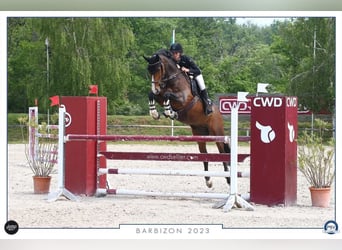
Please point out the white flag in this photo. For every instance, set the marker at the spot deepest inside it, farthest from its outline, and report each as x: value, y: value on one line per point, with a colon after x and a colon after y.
x: 242, y: 96
x: 262, y: 87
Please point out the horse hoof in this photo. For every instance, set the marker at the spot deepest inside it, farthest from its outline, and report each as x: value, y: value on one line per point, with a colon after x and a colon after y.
x: 155, y: 116
x: 209, y: 184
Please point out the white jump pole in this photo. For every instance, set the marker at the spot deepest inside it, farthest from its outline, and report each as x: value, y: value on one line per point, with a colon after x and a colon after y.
x: 61, y: 191
x: 234, y: 198
x: 171, y: 172
x: 102, y: 192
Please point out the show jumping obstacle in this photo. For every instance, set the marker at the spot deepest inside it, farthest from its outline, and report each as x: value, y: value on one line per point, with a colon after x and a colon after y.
x: 165, y: 157
x: 85, y: 141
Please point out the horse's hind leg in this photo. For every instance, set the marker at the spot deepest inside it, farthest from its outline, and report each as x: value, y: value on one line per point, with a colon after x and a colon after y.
x: 224, y: 148
x: 216, y: 127
x: 203, y: 149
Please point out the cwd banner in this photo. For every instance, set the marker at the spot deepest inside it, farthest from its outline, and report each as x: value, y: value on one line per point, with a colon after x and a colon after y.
x: 226, y: 103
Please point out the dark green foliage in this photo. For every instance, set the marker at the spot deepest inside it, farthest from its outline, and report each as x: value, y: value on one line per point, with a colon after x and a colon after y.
x: 108, y: 52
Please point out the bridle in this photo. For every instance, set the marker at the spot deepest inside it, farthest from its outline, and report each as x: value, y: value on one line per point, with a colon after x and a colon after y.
x: 163, y: 81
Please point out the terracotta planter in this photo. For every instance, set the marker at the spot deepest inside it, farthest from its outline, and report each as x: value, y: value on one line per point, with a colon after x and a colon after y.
x: 41, y: 184
x: 320, y: 197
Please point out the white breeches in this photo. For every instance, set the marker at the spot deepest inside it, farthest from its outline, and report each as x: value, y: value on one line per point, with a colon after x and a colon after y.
x: 200, y: 81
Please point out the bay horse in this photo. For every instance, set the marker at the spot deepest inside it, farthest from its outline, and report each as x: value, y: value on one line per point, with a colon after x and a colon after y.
x: 171, y: 88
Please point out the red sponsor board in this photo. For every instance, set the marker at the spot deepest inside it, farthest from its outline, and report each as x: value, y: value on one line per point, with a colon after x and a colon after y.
x: 86, y: 115
x: 274, y: 150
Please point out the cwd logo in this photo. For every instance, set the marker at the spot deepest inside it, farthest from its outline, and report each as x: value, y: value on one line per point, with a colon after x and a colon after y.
x: 227, y: 103
x: 267, y: 134
x: 267, y: 102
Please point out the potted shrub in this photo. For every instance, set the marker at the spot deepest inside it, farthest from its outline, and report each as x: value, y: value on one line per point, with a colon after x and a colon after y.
x: 42, y: 157
x: 316, y: 158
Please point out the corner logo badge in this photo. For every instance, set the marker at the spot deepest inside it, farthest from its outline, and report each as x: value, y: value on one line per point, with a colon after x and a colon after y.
x: 331, y: 227
x: 267, y: 133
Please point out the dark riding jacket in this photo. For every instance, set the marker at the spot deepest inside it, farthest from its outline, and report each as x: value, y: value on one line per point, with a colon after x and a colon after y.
x: 187, y: 62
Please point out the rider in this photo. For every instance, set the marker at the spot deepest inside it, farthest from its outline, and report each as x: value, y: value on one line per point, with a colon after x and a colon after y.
x: 188, y: 66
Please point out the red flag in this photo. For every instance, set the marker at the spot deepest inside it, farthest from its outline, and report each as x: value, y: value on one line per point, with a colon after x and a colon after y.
x: 93, y: 89
x: 54, y: 100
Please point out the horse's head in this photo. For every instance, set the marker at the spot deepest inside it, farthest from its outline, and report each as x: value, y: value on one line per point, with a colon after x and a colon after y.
x: 162, y: 70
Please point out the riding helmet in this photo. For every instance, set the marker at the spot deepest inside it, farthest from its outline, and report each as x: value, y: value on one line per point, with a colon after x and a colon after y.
x: 176, y: 47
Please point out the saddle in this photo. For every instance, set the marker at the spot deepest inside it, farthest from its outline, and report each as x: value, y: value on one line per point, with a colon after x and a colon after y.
x: 194, y: 87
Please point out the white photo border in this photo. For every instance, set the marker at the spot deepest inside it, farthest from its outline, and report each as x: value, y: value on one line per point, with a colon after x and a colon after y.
x: 129, y: 231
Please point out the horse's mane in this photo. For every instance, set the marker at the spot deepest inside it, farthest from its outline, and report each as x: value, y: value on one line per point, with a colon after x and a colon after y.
x: 167, y: 53
x: 164, y: 52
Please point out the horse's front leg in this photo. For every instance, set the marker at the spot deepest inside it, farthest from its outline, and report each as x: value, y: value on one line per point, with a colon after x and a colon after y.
x: 152, y: 104
x: 168, y: 111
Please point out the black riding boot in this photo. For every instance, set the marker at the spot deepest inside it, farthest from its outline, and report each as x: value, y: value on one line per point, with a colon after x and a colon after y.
x: 206, y: 102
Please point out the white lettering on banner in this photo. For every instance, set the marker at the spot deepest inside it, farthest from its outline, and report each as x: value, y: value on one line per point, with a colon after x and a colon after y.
x: 226, y: 105
x: 267, y: 102
x: 291, y: 102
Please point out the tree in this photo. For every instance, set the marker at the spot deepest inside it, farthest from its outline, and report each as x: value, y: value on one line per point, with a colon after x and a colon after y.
x: 84, y: 51
x: 308, y: 46
x: 89, y: 51
x: 26, y: 66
